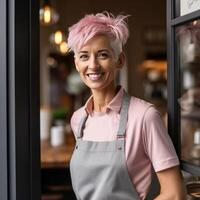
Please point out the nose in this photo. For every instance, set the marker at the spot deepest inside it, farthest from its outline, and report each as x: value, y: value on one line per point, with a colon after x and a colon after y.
x: 93, y: 63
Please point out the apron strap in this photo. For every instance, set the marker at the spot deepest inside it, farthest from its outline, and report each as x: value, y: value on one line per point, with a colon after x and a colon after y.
x: 81, y: 126
x: 123, y: 116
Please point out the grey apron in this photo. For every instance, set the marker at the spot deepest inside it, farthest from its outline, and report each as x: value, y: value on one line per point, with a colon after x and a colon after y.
x: 98, y: 169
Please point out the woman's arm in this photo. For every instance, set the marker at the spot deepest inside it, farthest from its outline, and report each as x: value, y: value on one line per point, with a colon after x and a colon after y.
x: 171, y: 185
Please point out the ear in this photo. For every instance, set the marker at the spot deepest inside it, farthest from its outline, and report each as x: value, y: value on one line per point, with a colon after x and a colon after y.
x: 121, y: 60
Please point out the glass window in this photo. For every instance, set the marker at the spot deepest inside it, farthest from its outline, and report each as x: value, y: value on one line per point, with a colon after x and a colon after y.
x: 188, y: 37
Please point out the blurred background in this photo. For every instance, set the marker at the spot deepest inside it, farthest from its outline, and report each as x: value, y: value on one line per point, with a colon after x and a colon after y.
x: 62, y: 91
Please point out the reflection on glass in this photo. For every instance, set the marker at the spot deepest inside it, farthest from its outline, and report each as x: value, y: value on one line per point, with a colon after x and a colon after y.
x: 188, y: 37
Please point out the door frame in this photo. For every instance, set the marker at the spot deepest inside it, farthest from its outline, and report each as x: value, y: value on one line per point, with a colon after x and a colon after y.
x: 19, y: 100
x: 3, y: 103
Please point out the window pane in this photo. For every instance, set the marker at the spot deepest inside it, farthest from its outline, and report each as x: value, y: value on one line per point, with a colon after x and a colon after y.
x: 188, y: 38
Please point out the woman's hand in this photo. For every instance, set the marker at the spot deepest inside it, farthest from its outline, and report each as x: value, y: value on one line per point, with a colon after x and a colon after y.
x: 171, y: 185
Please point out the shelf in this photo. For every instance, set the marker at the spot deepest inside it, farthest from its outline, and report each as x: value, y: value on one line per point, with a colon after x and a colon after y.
x: 193, y: 115
x: 190, y: 168
x: 57, y: 157
x: 191, y: 66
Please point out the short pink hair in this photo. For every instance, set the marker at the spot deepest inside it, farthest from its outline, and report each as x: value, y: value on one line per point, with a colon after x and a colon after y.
x: 99, y: 24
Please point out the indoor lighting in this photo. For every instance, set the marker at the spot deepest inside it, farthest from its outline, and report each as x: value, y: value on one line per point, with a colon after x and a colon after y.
x: 57, y: 37
x: 195, y: 22
x: 63, y: 47
x: 48, y: 14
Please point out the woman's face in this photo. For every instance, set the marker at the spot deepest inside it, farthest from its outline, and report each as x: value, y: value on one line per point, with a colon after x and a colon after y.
x: 97, y: 63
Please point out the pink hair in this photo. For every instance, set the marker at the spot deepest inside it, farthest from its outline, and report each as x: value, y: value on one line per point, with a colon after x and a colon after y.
x: 101, y: 23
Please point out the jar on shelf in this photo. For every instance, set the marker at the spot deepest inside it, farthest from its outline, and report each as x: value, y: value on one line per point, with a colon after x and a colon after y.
x: 57, y: 135
x: 195, y: 151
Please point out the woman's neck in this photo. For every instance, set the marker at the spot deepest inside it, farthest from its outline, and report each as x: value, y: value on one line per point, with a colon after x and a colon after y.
x: 102, y: 98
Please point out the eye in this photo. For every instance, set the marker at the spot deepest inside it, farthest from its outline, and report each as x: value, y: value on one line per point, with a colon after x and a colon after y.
x: 83, y: 57
x: 103, y: 55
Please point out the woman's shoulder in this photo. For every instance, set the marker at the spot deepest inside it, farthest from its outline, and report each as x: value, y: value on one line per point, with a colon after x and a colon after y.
x: 143, y: 110
x: 140, y: 105
x: 78, y: 114
x: 76, y: 118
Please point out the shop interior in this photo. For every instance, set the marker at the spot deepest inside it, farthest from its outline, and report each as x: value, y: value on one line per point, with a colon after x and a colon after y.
x: 145, y: 76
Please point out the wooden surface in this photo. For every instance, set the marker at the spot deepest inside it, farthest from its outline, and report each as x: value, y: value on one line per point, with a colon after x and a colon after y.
x: 56, y: 157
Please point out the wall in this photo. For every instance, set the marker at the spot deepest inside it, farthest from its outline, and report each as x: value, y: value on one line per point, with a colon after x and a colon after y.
x: 143, y: 13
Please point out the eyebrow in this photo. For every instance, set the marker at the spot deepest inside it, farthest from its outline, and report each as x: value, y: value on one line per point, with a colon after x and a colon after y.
x: 82, y: 52
x: 103, y: 50
x: 99, y: 51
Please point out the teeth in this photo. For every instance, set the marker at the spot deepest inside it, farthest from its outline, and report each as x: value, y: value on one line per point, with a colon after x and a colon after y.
x: 94, y: 77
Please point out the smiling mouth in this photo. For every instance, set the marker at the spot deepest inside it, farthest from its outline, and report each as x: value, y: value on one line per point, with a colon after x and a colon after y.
x: 95, y: 76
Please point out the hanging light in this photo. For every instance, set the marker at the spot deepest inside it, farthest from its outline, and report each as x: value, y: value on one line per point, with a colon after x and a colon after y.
x: 63, y: 47
x: 48, y: 14
x: 57, y: 37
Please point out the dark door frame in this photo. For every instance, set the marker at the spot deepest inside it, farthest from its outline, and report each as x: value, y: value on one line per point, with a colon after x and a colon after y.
x: 3, y: 104
x: 19, y: 100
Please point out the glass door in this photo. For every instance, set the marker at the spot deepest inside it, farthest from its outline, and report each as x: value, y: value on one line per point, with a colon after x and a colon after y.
x: 183, y: 29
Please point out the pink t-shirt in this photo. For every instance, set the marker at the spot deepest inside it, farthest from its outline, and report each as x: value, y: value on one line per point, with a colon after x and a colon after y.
x: 148, y: 145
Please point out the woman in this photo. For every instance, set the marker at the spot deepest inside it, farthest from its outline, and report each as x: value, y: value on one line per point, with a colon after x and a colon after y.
x: 119, y: 139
